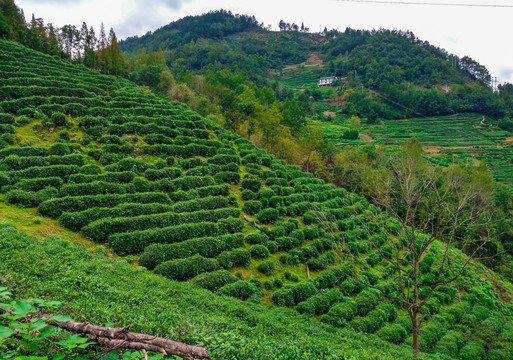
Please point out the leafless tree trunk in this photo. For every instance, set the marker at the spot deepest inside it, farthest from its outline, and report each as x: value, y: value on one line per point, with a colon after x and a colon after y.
x: 122, y: 338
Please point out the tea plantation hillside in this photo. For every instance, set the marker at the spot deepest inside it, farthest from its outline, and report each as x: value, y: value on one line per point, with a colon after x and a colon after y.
x: 202, y: 206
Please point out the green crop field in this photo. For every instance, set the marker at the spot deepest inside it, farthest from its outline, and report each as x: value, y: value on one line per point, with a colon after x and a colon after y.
x: 206, y: 208
x: 301, y: 76
x: 462, y: 136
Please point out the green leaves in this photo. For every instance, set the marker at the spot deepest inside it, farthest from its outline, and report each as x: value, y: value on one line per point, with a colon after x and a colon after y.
x: 5, y: 332
x: 60, y: 318
x: 22, y: 308
x: 5, y: 294
x: 73, y: 341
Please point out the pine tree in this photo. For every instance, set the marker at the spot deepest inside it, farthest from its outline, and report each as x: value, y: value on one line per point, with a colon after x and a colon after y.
x: 89, y: 46
x: 53, y: 42
x: 12, y: 21
x: 101, y: 56
x: 114, y: 62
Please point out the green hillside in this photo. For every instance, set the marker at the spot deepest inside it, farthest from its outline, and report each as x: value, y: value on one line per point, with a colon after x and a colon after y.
x: 219, y: 217
x: 409, y: 75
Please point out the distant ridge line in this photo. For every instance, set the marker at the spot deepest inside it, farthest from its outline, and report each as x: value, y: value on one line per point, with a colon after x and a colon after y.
x: 429, y: 3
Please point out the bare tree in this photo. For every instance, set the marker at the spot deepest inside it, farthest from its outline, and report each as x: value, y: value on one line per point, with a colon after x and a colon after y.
x: 429, y: 205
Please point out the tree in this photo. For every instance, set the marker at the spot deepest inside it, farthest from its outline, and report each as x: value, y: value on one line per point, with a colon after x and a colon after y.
x: 354, y: 122
x: 115, y: 60
x: 68, y: 40
x: 293, y: 115
x: 53, y: 41
x: 433, y: 209
x: 89, y: 46
x: 271, y: 126
x: 12, y: 21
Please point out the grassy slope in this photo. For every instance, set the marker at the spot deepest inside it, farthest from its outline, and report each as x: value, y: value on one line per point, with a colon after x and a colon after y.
x: 106, y: 290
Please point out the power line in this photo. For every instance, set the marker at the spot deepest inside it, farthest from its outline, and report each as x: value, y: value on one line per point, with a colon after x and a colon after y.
x: 428, y: 3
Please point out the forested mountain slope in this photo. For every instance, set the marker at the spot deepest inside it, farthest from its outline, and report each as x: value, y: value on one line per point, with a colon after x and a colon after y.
x: 221, y: 219
x: 412, y: 76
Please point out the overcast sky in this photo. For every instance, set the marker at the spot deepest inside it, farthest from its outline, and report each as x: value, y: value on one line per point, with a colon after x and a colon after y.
x: 483, y: 33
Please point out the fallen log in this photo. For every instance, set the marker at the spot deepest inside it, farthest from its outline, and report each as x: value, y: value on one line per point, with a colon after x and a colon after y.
x: 122, y: 338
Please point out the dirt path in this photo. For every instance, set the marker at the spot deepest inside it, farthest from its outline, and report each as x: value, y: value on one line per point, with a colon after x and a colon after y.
x: 313, y: 60
x: 365, y: 137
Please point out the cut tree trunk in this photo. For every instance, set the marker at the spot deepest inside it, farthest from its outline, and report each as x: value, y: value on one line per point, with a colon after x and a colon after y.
x: 122, y: 338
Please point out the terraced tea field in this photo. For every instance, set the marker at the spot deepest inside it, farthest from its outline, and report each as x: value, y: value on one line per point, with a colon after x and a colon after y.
x: 150, y: 177
x: 463, y: 136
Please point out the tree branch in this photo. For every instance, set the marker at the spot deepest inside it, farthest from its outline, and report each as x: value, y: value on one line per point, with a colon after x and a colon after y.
x: 122, y: 338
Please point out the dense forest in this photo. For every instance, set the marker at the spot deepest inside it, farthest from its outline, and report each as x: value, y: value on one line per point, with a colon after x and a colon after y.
x: 188, y: 189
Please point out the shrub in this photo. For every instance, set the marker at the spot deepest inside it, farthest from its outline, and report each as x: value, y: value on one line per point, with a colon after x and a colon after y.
x: 183, y: 269
x: 369, y: 324
x: 309, y: 218
x: 366, y: 301
x: 268, y: 216
x: 207, y: 247
x: 393, y: 333
x: 55, y: 207
x: 101, y: 229
x: 248, y: 195
x: 309, y: 252
x: 374, y: 259
x: 266, y: 267
x: 252, y: 184
x: 272, y: 246
x: 432, y: 307
x: 31, y: 199
x: 315, y: 265
x: 273, y: 283
x: 37, y: 184
x: 230, y: 225
x: 256, y: 237
x: 291, y: 276
x: 75, y: 109
x: 76, y: 220
x: 286, y: 243
x: 240, y: 290
x: 283, y: 298
x: 341, y: 313
x: 259, y: 251
x: 237, y: 257
x: 425, y: 264
x: 327, y: 279
x: 323, y: 244
x: 134, y: 242
x: 90, y: 169
x: 320, y: 303
x: 6, y: 119
x: 58, y: 119
x: 303, y: 291
x: 451, y: 343
x: 215, y: 280
x: 251, y: 159
x: 94, y: 188
x: 61, y: 171
x: 252, y: 207
x: 473, y: 349
x: 59, y: 149
x: 433, y: 332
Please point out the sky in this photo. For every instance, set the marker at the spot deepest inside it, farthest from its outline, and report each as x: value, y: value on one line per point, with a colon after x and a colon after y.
x: 459, y: 26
